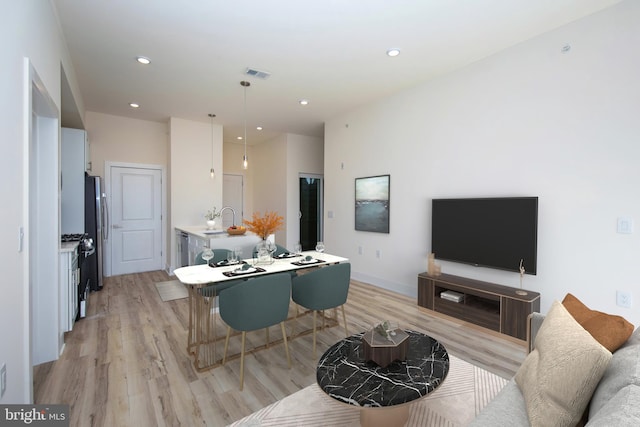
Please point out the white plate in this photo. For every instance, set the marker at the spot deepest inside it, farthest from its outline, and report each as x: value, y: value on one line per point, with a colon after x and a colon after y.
x: 310, y: 261
x: 241, y: 271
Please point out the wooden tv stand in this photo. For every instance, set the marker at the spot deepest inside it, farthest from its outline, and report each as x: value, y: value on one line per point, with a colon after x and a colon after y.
x: 489, y: 305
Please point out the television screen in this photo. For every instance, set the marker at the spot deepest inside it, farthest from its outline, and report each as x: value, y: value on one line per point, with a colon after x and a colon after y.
x: 488, y: 232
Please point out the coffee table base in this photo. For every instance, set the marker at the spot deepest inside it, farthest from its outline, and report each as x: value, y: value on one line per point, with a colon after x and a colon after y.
x: 390, y: 416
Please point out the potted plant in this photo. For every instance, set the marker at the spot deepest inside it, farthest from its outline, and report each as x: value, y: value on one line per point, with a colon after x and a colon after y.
x: 211, y: 216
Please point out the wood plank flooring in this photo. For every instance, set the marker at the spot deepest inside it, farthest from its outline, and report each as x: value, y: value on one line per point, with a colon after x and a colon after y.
x: 126, y: 363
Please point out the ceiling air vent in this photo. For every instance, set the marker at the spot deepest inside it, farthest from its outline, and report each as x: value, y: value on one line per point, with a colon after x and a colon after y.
x: 257, y: 73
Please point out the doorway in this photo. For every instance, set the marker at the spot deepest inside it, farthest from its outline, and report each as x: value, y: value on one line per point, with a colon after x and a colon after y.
x: 135, y: 206
x: 232, y: 196
x: 311, y: 208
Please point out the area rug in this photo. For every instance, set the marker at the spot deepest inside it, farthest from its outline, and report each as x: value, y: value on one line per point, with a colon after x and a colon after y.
x: 171, y: 290
x: 466, y: 390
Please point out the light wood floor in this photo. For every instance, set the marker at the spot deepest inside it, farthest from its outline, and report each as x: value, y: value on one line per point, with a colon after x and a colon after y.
x: 126, y: 363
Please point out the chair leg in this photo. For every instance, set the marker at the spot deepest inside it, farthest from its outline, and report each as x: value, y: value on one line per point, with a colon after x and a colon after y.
x: 226, y: 344
x: 294, y: 321
x: 314, y: 334
x: 286, y: 345
x: 344, y: 319
x: 244, y: 334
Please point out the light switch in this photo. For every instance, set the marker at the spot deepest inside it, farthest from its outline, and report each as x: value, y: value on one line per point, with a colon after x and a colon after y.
x: 625, y: 225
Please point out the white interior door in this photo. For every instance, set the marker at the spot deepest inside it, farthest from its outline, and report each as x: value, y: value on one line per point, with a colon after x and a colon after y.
x: 232, y: 187
x: 136, y: 219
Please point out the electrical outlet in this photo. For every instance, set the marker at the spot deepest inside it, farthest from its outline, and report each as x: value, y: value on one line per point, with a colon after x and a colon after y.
x: 359, y: 250
x: 3, y: 379
x: 377, y: 253
x: 623, y: 299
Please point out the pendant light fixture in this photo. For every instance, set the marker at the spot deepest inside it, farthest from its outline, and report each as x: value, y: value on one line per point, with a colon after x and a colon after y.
x: 245, y: 161
x: 212, y: 172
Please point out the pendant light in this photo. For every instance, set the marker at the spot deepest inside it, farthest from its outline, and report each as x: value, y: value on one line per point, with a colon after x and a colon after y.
x: 245, y: 160
x: 212, y: 172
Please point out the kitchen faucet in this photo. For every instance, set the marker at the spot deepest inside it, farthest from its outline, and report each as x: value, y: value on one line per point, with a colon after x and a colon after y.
x: 233, y: 223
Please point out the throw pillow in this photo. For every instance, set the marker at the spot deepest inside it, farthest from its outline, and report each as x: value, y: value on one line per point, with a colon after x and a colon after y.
x: 621, y: 411
x: 623, y: 370
x: 611, y: 331
x: 559, y: 376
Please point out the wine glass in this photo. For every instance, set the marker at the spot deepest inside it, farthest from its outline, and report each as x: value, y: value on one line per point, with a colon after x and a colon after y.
x: 207, y: 254
x: 297, y: 248
x: 320, y: 247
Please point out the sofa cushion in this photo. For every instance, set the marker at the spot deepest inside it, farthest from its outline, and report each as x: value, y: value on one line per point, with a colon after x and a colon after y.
x: 610, y: 330
x: 622, y: 410
x: 623, y: 370
x: 558, y: 377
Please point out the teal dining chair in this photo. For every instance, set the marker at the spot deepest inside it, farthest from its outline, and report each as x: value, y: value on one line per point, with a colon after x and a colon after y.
x: 218, y: 255
x: 322, y: 289
x: 254, y: 304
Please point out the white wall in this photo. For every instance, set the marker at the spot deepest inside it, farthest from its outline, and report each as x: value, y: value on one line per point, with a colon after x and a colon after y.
x: 269, y: 164
x: 193, y: 192
x: 528, y: 121
x: 121, y: 139
x: 28, y: 29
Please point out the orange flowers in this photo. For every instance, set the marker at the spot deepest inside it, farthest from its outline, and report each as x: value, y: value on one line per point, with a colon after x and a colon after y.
x: 264, y: 225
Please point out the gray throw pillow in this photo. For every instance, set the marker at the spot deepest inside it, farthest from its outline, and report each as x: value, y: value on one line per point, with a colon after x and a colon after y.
x: 622, y: 410
x: 624, y: 369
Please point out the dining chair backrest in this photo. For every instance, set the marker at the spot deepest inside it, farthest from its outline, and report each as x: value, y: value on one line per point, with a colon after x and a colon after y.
x: 256, y: 303
x: 323, y: 288
x: 218, y: 255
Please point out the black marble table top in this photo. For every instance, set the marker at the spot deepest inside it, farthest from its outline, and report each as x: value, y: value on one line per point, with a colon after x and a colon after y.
x: 343, y: 374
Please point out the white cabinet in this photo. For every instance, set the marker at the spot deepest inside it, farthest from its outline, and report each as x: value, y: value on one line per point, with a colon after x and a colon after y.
x: 72, y: 164
x: 69, y: 281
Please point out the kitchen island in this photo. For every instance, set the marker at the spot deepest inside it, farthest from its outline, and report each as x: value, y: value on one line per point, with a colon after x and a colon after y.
x: 192, y: 239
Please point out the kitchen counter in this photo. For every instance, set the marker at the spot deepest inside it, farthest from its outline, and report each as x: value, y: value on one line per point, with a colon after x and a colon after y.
x: 199, y: 237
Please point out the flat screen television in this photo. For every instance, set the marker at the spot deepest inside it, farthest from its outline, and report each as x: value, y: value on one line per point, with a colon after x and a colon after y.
x: 487, y: 232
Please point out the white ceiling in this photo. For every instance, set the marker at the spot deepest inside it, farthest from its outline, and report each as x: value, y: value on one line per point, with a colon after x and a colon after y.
x: 331, y: 52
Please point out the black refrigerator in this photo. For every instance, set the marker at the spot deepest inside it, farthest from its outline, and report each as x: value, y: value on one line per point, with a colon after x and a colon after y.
x: 94, y: 225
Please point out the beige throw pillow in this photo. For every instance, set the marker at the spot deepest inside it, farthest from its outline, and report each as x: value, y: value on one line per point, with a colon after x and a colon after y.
x: 559, y: 376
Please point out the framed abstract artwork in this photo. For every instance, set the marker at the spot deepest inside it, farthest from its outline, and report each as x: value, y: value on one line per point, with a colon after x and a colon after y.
x: 372, y: 203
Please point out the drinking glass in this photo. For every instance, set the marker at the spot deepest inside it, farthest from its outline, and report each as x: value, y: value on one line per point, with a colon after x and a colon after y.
x: 231, y: 257
x: 320, y: 247
x: 297, y: 248
x: 238, y: 253
x: 207, y: 254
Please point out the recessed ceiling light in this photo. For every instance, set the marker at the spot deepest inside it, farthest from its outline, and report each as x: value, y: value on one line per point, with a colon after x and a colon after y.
x: 239, y: 138
x: 304, y: 102
x: 393, y: 52
x: 259, y: 128
x: 143, y: 60
x: 134, y: 105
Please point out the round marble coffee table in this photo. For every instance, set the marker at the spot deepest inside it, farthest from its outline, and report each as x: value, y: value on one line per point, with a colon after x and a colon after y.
x: 383, y: 394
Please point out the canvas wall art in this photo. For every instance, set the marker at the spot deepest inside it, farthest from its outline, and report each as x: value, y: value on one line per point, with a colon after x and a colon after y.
x: 372, y: 203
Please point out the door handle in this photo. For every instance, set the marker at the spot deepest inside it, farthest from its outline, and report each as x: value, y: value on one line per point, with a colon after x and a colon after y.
x: 117, y: 226
x: 299, y: 214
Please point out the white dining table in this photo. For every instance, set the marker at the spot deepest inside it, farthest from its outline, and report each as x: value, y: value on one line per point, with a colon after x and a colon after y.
x: 202, y: 334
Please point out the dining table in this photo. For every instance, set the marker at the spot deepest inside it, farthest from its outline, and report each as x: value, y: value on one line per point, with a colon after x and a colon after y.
x: 206, y: 281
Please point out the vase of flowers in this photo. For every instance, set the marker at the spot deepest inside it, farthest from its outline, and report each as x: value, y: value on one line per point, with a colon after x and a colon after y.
x: 211, y: 216
x: 263, y: 226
